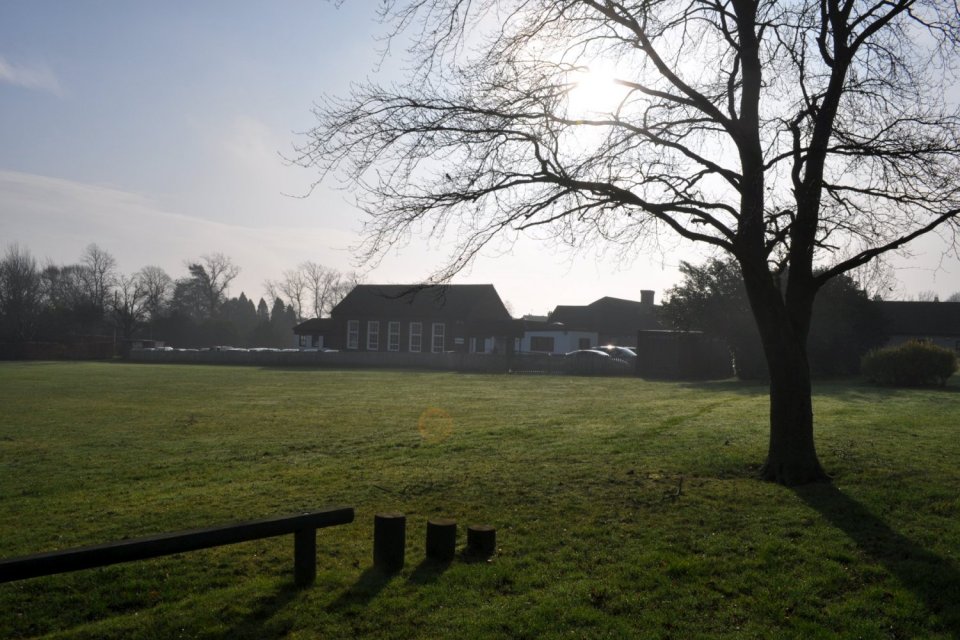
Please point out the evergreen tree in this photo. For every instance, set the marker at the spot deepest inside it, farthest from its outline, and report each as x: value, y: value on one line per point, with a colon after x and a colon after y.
x: 242, y: 316
x: 712, y: 298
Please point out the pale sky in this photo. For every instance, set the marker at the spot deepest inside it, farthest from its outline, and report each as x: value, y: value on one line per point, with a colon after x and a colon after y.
x: 155, y: 130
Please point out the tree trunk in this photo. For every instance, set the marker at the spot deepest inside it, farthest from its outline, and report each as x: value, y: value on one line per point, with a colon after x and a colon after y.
x: 792, y: 455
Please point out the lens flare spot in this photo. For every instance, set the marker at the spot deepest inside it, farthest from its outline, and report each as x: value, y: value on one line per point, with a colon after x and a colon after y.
x: 435, y: 425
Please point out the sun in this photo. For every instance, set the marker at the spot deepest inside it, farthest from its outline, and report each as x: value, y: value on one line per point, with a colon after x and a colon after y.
x: 596, y: 91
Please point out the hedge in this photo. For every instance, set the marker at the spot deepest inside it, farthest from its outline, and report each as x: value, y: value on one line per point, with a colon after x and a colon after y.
x: 911, y: 364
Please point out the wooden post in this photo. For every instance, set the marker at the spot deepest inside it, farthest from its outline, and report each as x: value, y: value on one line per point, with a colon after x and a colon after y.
x: 441, y: 539
x: 481, y: 540
x: 304, y: 556
x: 389, y: 541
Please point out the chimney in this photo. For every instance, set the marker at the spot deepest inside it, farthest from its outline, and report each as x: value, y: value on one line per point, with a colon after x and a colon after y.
x: 646, y: 296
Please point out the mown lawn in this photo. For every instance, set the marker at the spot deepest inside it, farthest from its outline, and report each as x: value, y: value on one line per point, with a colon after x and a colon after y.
x: 624, y: 508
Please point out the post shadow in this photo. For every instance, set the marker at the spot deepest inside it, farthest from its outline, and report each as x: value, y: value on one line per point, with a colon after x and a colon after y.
x: 255, y: 625
x: 933, y: 579
x: 368, y: 585
x: 429, y: 571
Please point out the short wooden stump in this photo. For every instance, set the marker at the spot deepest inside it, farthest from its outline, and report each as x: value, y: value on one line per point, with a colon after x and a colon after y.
x: 389, y: 541
x: 441, y: 539
x: 481, y: 540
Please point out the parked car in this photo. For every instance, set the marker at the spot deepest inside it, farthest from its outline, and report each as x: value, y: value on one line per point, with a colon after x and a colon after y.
x: 622, y: 353
x: 592, y: 362
x: 586, y: 355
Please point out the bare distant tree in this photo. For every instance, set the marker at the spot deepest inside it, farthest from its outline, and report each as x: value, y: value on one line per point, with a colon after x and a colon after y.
x: 312, y: 288
x: 221, y: 271
x: 328, y: 286
x: 65, y: 289
x: 928, y: 296
x: 292, y: 288
x: 129, y: 304
x: 803, y: 138
x: 99, y: 274
x: 955, y: 297
x: 212, y: 277
x: 320, y: 281
x: 20, y: 294
x: 158, y: 288
x: 877, y: 279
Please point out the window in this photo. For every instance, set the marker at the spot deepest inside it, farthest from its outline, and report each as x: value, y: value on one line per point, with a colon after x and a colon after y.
x: 393, y: 336
x: 541, y: 343
x: 439, y: 335
x: 478, y: 345
x: 353, y: 334
x: 416, y: 337
x: 308, y: 342
x: 373, y: 335
x: 584, y: 343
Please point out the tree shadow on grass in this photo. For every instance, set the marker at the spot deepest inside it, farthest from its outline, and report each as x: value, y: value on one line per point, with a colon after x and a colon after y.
x: 933, y: 579
x: 827, y: 387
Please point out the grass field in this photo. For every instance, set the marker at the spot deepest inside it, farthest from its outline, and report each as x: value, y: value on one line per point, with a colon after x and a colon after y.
x: 624, y: 508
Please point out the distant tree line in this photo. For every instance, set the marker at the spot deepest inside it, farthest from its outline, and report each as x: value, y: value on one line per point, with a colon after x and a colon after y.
x: 92, y: 300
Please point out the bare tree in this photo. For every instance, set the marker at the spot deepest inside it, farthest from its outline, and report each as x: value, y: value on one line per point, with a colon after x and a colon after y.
x: 292, y: 288
x: 213, y: 275
x: 67, y: 299
x: 158, y: 288
x: 129, y: 304
x: 327, y: 286
x: 954, y: 297
x: 320, y: 282
x: 804, y: 138
x: 20, y: 295
x: 312, y: 288
x: 221, y: 271
x: 99, y: 275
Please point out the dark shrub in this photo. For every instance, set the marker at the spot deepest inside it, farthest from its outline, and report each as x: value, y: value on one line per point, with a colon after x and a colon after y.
x: 910, y: 364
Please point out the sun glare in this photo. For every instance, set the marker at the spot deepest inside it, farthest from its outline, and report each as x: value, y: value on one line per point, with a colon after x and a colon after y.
x: 595, y: 91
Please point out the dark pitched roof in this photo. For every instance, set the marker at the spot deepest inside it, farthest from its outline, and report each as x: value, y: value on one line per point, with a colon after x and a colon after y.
x: 608, y: 315
x: 544, y: 325
x: 474, y: 302
x: 921, y: 318
x: 315, y: 325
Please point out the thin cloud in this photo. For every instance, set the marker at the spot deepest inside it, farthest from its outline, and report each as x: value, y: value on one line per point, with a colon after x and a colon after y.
x: 56, y: 218
x: 39, y: 78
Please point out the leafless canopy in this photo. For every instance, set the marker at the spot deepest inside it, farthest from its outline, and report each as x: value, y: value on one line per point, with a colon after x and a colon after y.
x: 795, y: 133
x: 99, y: 275
x: 158, y: 287
x: 213, y: 274
x: 312, y: 288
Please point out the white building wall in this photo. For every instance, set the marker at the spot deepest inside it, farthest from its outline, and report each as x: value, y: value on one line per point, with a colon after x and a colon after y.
x: 563, y: 341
